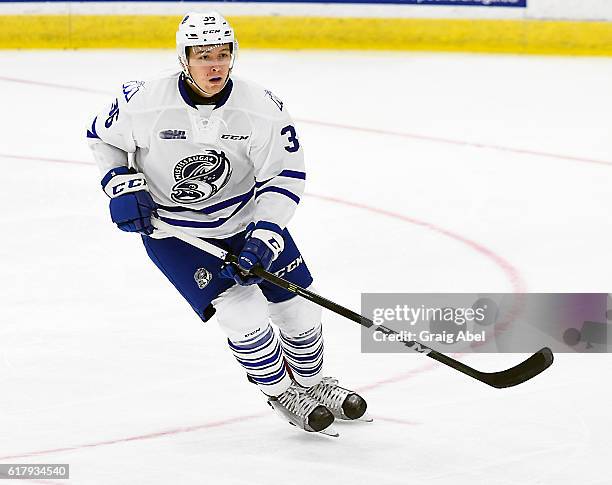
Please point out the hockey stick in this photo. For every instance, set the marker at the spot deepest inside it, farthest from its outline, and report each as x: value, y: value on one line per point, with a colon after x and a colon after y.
x: 518, y: 374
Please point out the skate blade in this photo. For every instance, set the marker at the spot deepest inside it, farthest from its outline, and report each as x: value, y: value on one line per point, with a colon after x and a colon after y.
x: 330, y: 431
x: 366, y: 418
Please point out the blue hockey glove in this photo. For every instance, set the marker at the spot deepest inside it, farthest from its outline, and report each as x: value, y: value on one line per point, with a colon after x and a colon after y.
x: 264, y: 242
x: 131, y: 205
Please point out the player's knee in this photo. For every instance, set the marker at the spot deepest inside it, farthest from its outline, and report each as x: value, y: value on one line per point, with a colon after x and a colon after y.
x: 241, y: 311
x: 295, y: 316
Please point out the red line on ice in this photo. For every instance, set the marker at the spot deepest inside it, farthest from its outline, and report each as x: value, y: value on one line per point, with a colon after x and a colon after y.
x: 435, y: 139
x: 450, y: 141
x: 34, y: 158
x: 51, y: 85
x: 148, y: 436
x: 511, y: 272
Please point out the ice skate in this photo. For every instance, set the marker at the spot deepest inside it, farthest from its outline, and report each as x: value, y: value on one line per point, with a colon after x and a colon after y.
x: 343, y: 403
x: 301, y: 410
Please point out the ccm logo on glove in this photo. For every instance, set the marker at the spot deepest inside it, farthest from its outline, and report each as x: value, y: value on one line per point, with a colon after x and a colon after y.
x: 124, y: 184
x: 131, y: 205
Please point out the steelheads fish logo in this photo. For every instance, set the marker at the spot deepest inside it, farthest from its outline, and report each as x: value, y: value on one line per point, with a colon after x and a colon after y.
x: 199, y: 177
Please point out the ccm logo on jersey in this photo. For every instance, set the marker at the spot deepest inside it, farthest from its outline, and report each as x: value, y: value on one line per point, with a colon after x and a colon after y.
x: 234, y: 137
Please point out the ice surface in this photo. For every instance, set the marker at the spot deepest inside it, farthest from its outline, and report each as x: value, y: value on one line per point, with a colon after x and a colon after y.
x: 425, y: 173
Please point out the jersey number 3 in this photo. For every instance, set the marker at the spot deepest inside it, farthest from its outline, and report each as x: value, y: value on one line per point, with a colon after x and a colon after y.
x: 295, y: 144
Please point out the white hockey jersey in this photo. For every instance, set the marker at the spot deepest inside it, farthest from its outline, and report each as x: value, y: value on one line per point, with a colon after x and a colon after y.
x: 212, y: 169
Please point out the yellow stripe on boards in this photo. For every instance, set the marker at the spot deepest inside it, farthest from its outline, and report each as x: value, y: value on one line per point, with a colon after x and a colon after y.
x: 471, y: 35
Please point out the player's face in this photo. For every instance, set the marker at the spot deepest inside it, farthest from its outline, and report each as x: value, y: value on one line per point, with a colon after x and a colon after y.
x: 209, y: 66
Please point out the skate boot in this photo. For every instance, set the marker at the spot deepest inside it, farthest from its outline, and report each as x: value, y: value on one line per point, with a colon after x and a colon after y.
x: 301, y: 410
x: 343, y: 403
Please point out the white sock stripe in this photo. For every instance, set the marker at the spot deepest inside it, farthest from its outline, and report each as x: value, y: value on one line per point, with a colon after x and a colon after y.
x: 271, y: 378
x: 270, y: 360
x: 304, y: 354
x: 304, y: 362
x: 257, y: 354
x: 252, y: 344
x: 303, y: 341
x: 307, y: 372
x: 262, y: 358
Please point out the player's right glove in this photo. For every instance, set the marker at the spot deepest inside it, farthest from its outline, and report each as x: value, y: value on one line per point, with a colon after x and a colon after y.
x: 131, y: 205
x: 264, y: 242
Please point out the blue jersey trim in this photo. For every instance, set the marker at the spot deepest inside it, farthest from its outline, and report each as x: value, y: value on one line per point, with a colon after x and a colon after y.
x: 183, y: 90
x: 215, y: 207
x: 269, y: 226
x: 294, y: 174
x: 259, y: 184
x: 200, y: 225
x: 227, y: 90
x: 279, y: 190
x: 92, y: 133
x: 121, y: 170
x: 205, y: 225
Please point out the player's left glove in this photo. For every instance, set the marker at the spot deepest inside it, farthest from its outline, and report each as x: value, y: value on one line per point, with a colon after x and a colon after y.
x: 264, y: 242
x: 131, y: 205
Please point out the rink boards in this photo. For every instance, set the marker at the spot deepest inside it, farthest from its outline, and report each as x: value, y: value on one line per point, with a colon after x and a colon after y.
x: 500, y: 26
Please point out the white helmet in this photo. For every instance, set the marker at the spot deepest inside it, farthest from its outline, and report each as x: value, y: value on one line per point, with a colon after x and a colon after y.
x: 209, y: 28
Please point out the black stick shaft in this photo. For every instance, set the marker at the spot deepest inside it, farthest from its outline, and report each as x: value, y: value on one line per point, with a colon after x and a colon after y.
x: 524, y: 371
x: 527, y: 369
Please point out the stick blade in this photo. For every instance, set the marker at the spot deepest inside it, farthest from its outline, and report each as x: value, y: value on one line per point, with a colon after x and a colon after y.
x: 534, y: 365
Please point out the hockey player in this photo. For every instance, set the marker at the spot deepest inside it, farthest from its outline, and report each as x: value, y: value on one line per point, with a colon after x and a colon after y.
x: 220, y: 158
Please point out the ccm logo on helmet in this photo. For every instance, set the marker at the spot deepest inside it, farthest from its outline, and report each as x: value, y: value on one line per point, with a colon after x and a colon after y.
x: 211, y: 32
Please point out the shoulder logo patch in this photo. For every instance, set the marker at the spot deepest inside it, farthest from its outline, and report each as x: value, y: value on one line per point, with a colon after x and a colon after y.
x: 277, y: 102
x: 130, y: 88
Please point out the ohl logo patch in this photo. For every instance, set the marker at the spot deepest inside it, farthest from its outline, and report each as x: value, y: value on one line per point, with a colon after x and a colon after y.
x: 199, y: 177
